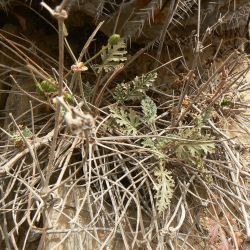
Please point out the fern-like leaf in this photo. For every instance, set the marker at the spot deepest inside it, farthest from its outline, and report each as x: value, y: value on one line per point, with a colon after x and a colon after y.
x: 201, y: 120
x: 150, y: 144
x: 112, y: 55
x: 46, y: 87
x: 149, y: 110
x: 26, y: 132
x: 128, y: 122
x: 193, y: 151
x: 136, y: 89
x: 164, y: 189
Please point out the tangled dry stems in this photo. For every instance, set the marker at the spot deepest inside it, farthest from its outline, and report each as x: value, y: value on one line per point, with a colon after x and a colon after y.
x: 110, y: 176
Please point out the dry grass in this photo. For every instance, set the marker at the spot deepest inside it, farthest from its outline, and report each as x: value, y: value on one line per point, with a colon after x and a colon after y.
x: 78, y: 178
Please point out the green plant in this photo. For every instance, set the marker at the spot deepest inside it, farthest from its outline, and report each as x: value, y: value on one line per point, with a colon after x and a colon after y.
x: 134, y: 158
x: 202, y: 119
x: 46, y: 87
x: 164, y: 188
x: 68, y: 97
x: 149, y: 110
x: 111, y: 54
x: 136, y: 89
x: 189, y: 146
x: 199, y: 146
x: 17, y: 137
x: 127, y: 121
x: 225, y: 102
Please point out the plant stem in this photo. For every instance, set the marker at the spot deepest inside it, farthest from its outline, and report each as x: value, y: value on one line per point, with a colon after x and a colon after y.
x: 60, y: 14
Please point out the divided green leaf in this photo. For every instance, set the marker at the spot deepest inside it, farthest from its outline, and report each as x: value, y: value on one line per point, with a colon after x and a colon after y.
x: 112, y: 55
x: 26, y: 132
x: 128, y: 122
x: 46, y: 87
x: 164, y: 189
x: 149, y: 110
x: 136, y: 89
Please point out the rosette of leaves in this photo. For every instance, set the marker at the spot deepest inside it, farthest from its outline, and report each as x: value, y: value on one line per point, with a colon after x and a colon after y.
x: 136, y: 89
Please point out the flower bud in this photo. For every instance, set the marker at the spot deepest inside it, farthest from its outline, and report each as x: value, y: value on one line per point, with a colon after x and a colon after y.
x: 114, y: 39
